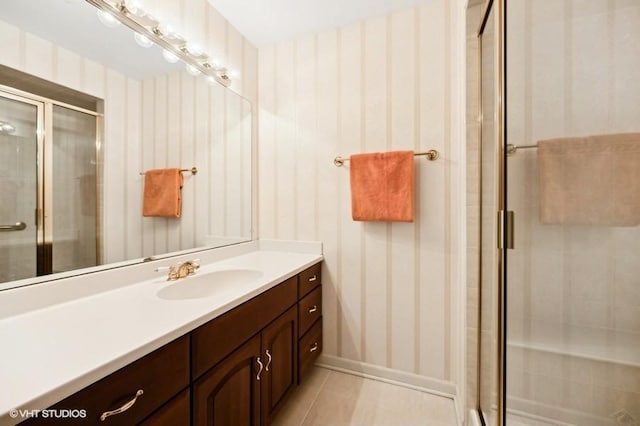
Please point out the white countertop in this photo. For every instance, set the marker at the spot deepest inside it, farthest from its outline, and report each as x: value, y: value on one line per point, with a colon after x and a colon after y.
x: 54, y: 351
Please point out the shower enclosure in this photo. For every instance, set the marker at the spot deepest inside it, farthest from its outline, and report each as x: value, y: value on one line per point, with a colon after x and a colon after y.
x: 559, y: 324
x: 49, y: 219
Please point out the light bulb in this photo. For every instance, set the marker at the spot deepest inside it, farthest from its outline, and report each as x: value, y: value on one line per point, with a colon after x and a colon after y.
x: 233, y: 74
x: 134, y: 7
x: 166, y: 30
x: 170, y: 57
x: 194, y: 49
x: 107, y: 19
x: 211, y: 80
x: 142, y: 40
x: 216, y: 64
x: 192, y: 70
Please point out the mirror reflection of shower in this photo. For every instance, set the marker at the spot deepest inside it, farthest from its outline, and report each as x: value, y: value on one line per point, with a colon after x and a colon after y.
x: 49, y: 222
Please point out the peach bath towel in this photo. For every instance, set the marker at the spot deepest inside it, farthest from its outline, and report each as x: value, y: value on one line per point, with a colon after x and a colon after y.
x: 383, y: 186
x: 593, y: 180
x: 162, y: 197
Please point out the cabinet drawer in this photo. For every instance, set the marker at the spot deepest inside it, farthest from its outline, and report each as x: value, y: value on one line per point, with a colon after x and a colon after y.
x: 310, y: 347
x: 212, y: 342
x: 309, y: 279
x: 176, y: 412
x: 310, y: 309
x: 159, y: 375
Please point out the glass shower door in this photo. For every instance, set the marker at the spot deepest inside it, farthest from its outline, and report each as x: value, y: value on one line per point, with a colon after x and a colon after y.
x: 573, y: 306
x: 20, y: 192
x: 74, y: 202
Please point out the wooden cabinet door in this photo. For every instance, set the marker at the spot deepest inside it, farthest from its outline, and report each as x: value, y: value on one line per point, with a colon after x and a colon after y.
x: 230, y: 393
x: 280, y: 351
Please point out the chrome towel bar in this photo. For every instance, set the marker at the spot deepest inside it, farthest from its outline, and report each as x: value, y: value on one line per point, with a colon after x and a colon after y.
x: 512, y: 149
x: 431, y: 155
x: 193, y: 170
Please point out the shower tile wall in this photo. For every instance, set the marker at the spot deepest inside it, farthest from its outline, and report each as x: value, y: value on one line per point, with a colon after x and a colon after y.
x: 574, y: 291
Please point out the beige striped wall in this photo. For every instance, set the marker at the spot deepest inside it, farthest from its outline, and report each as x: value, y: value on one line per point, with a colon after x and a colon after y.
x: 126, y: 110
x: 389, y: 83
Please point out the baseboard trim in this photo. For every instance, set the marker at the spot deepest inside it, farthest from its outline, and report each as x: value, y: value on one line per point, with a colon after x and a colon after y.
x: 551, y: 414
x: 388, y: 375
x: 474, y: 418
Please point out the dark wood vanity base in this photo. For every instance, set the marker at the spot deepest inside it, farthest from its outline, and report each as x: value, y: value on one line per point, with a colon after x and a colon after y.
x: 238, y: 369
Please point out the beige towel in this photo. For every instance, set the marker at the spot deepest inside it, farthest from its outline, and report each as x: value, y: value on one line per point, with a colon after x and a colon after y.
x: 593, y: 180
x: 162, y: 197
x: 383, y: 186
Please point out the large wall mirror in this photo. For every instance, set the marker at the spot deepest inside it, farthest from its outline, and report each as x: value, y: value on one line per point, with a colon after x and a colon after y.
x: 84, y: 112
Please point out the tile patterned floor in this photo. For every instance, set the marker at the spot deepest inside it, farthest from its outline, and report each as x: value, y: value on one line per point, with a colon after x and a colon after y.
x: 332, y: 398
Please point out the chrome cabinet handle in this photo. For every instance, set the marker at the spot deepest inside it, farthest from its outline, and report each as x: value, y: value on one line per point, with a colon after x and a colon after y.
x: 18, y: 226
x: 313, y: 278
x: 314, y: 347
x: 261, y: 367
x: 122, y: 409
x: 268, y: 362
x: 312, y: 310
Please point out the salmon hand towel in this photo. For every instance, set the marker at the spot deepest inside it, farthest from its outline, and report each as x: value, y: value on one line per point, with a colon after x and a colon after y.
x: 383, y: 186
x: 162, y: 197
x: 592, y: 180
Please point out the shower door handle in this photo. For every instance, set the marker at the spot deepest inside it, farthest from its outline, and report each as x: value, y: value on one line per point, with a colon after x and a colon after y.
x: 18, y: 226
x: 506, y: 220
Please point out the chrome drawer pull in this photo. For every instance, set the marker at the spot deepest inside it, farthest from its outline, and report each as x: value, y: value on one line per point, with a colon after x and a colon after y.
x: 261, y: 367
x: 313, y: 278
x: 122, y: 409
x: 268, y: 362
x: 314, y: 347
x: 312, y: 310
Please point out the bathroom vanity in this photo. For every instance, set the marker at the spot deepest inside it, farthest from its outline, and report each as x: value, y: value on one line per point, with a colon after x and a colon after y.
x: 237, y: 364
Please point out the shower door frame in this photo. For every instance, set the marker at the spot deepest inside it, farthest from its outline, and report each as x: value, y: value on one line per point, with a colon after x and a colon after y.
x: 44, y: 171
x: 503, y: 238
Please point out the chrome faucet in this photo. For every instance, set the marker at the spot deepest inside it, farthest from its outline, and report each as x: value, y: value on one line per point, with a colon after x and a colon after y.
x: 182, y: 270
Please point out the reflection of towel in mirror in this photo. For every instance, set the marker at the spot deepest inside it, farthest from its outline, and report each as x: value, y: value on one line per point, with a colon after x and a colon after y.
x: 383, y: 186
x: 593, y: 180
x: 162, y: 197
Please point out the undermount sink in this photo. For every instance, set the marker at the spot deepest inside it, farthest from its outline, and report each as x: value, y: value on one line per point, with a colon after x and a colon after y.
x: 208, y: 284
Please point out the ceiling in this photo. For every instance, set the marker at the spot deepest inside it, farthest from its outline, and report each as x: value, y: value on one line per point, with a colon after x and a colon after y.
x: 265, y: 22
x: 262, y: 22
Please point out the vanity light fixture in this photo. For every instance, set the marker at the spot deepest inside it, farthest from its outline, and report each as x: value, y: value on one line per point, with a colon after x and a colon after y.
x: 149, y: 30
